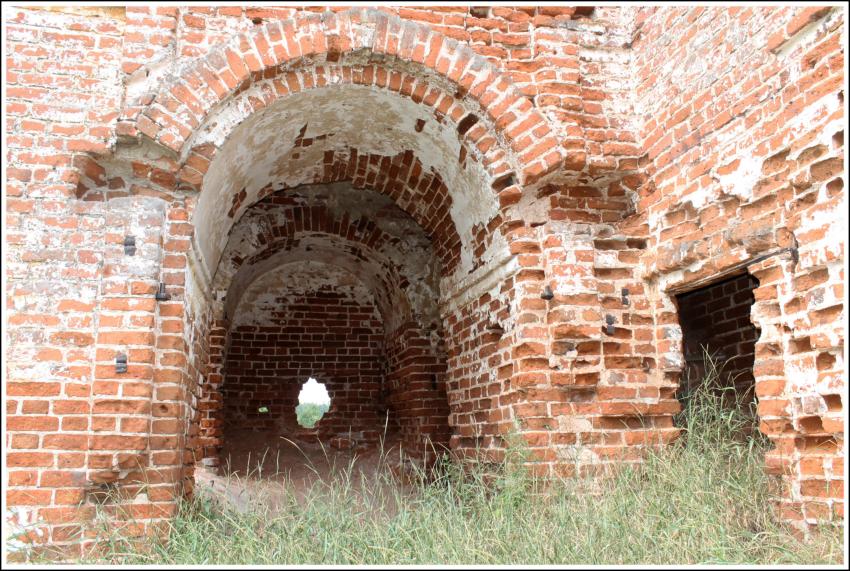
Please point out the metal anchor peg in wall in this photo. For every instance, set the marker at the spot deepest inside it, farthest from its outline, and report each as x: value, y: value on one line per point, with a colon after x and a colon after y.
x: 609, y: 324
x: 161, y: 294
x: 121, y: 363
x: 130, y: 245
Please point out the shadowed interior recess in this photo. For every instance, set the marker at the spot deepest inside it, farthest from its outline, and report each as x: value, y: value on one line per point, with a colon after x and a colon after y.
x: 715, y: 322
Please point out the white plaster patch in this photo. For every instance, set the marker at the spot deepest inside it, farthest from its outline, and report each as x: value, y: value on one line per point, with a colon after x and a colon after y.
x: 813, y: 115
x: 738, y: 183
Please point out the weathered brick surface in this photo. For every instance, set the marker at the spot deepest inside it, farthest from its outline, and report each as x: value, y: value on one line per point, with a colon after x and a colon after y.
x: 745, y: 161
x: 456, y: 162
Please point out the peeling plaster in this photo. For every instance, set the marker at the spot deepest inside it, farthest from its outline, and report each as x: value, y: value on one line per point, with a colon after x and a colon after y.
x: 260, y: 150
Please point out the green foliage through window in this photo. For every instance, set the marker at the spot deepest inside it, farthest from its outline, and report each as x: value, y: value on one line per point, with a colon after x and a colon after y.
x: 310, y: 413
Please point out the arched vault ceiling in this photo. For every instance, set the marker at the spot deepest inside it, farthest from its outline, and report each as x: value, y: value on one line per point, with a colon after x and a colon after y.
x: 359, y: 231
x: 261, y: 302
x: 289, y: 143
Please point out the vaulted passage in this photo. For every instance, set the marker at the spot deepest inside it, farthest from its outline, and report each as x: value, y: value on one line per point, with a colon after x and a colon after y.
x: 305, y: 320
x: 337, y: 284
x: 349, y: 230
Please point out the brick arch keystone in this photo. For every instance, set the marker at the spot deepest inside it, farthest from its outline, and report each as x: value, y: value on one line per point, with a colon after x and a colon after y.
x: 170, y: 116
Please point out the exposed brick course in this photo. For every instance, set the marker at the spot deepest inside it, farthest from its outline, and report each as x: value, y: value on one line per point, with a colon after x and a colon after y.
x: 325, y: 335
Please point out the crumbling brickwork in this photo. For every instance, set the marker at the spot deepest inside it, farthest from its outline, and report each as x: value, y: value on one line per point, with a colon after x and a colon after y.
x: 745, y: 164
x: 518, y: 194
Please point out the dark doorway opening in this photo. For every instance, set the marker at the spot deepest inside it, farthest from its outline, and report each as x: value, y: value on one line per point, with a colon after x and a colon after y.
x: 719, y: 340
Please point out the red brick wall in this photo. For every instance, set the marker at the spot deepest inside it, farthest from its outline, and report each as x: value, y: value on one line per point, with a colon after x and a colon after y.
x: 479, y: 373
x: 325, y: 335
x: 654, y: 149
x: 742, y: 115
x: 415, y: 390
x: 379, y: 384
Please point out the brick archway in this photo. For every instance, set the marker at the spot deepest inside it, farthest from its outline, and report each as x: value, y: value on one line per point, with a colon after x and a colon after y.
x: 500, y: 146
x: 402, y: 51
x: 558, y: 318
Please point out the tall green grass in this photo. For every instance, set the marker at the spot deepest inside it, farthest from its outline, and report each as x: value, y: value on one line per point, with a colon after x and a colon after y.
x: 703, y: 499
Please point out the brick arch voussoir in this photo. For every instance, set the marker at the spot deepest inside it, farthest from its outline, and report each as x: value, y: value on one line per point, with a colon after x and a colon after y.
x: 172, y: 115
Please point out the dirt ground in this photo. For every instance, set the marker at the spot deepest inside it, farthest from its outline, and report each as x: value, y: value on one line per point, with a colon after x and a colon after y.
x: 267, y: 467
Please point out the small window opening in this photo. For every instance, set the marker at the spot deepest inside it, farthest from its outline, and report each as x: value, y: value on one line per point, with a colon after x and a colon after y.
x: 313, y: 402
